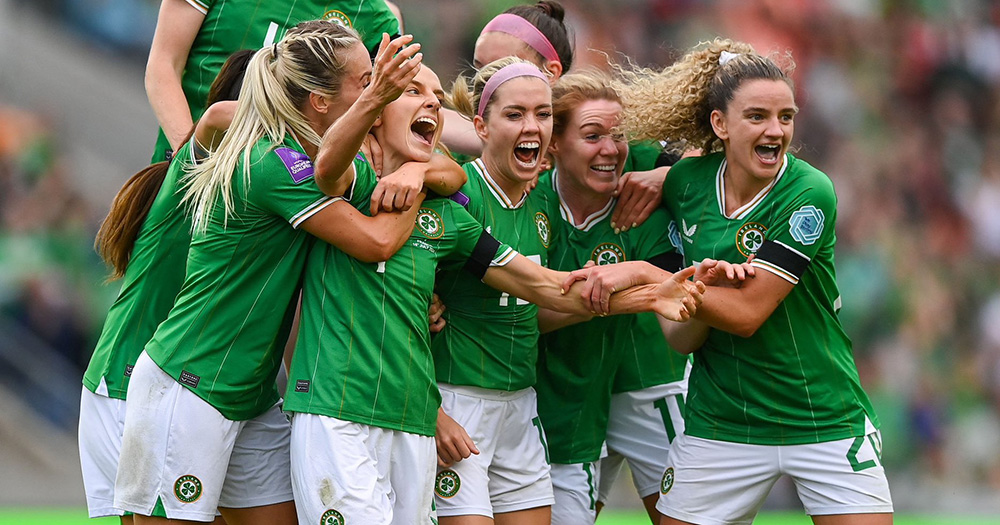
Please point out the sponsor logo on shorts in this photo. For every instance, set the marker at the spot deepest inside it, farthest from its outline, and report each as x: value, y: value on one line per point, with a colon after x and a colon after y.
x: 668, y: 480
x: 430, y: 224
x: 302, y: 385
x: 608, y: 253
x: 544, y: 228
x: 128, y: 370
x: 332, y: 517
x: 750, y: 237
x: 447, y: 483
x: 187, y: 488
x: 189, y: 379
x: 338, y: 17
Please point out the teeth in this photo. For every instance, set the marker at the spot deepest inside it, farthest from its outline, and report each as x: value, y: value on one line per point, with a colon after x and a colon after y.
x: 603, y: 168
x: 529, y: 145
x: 428, y: 120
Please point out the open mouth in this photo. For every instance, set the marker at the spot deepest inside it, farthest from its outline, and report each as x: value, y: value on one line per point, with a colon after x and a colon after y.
x: 423, y: 129
x: 526, y: 153
x: 604, y: 168
x: 768, y: 153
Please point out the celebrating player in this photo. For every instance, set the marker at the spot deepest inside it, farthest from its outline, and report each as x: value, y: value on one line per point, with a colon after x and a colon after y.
x: 774, y: 389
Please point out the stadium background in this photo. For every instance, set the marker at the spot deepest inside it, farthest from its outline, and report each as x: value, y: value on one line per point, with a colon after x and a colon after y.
x: 900, y: 106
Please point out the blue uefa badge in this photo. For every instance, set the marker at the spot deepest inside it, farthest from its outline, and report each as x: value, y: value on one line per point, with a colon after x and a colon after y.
x: 806, y: 224
x: 675, y: 237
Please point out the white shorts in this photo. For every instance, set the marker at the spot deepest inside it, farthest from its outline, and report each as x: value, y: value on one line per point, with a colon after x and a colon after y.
x: 575, y: 488
x: 718, y: 482
x: 102, y: 420
x: 642, y: 425
x: 344, y: 472
x: 186, y: 457
x: 511, y: 471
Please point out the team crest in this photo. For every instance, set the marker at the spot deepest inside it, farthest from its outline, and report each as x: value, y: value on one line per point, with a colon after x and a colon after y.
x: 544, y: 229
x: 607, y: 253
x: 187, y: 488
x: 332, y: 517
x: 806, y: 224
x: 447, y: 483
x: 750, y: 237
x: 668, y: 481
x: 430, y: 224
x: 336, y: 16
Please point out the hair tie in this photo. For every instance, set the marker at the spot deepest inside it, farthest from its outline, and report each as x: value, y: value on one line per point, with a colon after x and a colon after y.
x: 726, y: 56
x: 517, y: 69
x: 525, y: 31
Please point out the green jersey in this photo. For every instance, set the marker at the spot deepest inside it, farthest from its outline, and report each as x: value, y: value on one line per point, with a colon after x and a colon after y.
x: 225, y: 335
x: 232, y: 25
x: 491, y: 338
x: 642, y: 156
x: 578, y: 365
x: 150, y: 285
x: 363, y: 351
x: 794, y: 381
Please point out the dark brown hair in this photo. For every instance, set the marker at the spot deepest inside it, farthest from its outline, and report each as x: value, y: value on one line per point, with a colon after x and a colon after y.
x: 547, y: 16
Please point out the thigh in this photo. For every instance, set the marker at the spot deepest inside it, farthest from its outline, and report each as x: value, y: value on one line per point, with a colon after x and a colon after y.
x: 840, y: 477
x: 102, y: 421
x: 463, y: 489
x: 412, y: 476
x: 643, y: 423
x: 709, y: 481
x: 574, y: 487
x: 520, y: 473
x: 336, y: 473
x: 177, y: 448
x: 259, y: 472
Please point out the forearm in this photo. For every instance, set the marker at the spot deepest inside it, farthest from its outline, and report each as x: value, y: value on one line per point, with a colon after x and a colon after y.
x: 444, y: 176
x: 460, y: 135
x: 684, y: 337
x: 341, y: 143
x: 163, y: 88
x: 177, y: 26
x: 735, y: 310
x: 550, y: 321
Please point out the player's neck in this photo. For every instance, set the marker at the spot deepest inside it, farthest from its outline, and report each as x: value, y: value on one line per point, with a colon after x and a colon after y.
x: 582, y: 202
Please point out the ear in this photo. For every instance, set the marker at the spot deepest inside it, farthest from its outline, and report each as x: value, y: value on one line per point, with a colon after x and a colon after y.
x: 318, y: 102
x: 480, y: 125
x: 378, y: 121
x: 718, y: 120
x: 553, y: 145
x: 554, y: 67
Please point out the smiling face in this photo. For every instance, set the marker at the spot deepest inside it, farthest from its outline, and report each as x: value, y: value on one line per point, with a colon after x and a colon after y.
x: 411, y: 125
x: 517, y: 129
x: 757, y: 128
x: 587, y: 154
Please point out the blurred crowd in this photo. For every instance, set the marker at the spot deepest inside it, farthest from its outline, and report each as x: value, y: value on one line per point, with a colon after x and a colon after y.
x: 900, y: 106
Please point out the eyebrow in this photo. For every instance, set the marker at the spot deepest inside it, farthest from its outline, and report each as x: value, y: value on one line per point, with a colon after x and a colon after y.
x: 792, y: 109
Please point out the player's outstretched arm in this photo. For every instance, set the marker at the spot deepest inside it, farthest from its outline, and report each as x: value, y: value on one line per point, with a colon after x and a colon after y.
x: 177, y: 26
x: 368, y: 239
x: 675, y: 298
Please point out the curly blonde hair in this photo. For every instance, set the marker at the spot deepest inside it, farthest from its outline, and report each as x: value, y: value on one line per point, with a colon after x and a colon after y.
x: 465, y: 92
x: 676, y: 103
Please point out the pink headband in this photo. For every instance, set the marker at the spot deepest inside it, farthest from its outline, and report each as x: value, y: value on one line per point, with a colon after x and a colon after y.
x: 525, y: 31
x: 517, y: 69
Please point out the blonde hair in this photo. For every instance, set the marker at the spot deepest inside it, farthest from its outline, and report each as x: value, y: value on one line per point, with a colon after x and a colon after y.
x: 676, y: 103
x: 575, y: 88
x: 278, y: 81
x: 465, y: 92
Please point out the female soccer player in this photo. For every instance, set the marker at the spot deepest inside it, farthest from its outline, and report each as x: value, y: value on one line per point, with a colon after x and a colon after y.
x: 774, y: 389
x: 204, y: 385
x: 146, y: 225
x: 580, y: 366
x: 362, y: 379
x: 194, y: 37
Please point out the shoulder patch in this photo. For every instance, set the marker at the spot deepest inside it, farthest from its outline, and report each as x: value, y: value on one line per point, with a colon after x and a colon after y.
x: 298, y: 164
x: 461, y: 198
x: 806, y: 224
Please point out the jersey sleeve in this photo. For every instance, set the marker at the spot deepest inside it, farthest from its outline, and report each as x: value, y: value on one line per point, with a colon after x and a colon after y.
x: 477, y: 249
x: 282, y: 183
x: 801, y: 229
x: 201, y: 5
x: 652, y: 238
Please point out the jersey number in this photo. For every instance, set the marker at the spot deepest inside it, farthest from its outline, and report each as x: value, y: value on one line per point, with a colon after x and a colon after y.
x: 505, y: 297
x: 668, y: 421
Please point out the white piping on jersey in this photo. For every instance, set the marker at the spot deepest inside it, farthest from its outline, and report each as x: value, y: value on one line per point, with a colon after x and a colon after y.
x: 743, y: 211
x: 202, y: 8
x: 495, y: 188
x: 776, y: 270
x: 567, y: 214
x: 312, y: 209
x: 504, y: 257
x: 800, y: 254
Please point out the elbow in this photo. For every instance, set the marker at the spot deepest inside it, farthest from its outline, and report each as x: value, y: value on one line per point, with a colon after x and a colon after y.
x: 378, y: 250
x: 747, y: 328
